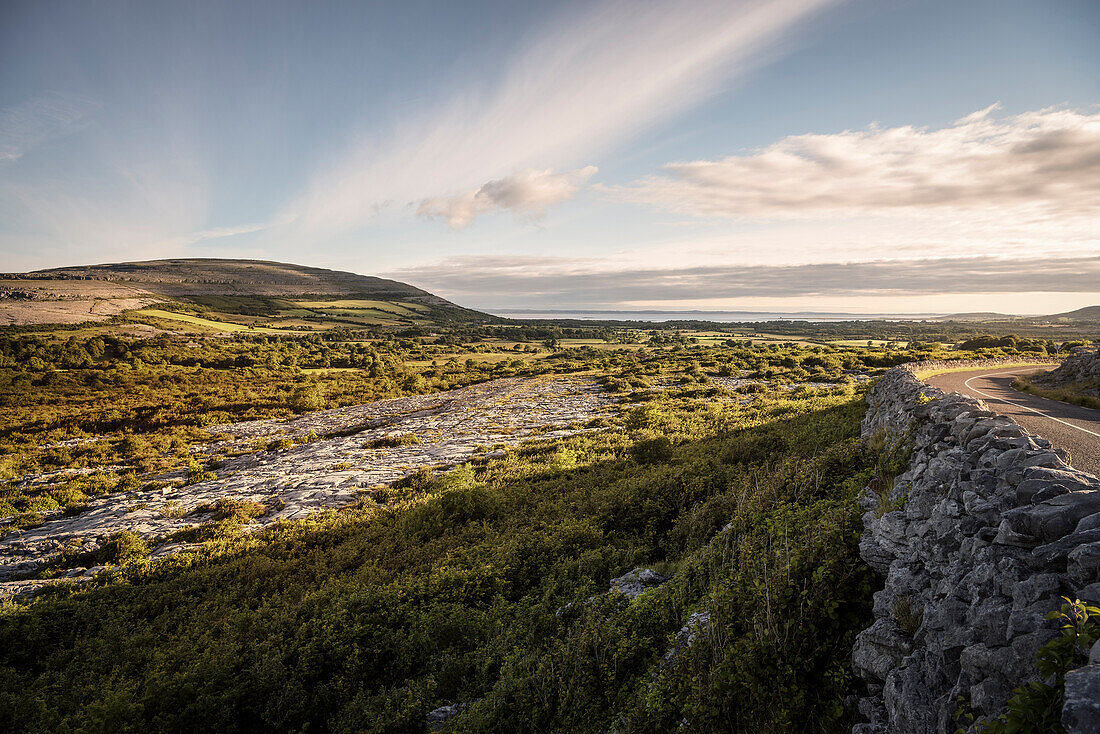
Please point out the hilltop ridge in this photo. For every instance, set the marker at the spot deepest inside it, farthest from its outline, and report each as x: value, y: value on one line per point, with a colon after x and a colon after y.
x: 74, y: 294
x: 208, y: 276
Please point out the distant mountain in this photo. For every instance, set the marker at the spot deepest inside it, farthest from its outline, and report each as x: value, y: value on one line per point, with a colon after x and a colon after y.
x: 977, y: 316
x: 1088, y: 313
x: 93, y: 292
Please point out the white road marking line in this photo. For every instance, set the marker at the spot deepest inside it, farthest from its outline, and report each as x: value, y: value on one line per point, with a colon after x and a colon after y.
x: 1018, y: 405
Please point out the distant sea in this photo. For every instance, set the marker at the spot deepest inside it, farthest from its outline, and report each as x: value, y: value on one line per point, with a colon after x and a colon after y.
x: 716, y: 316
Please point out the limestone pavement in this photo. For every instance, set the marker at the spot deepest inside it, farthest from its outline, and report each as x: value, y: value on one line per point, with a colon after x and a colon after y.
x: 353, y: 455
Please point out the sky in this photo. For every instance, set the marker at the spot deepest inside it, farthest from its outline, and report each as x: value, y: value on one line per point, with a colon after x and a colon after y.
x: 862, y: 156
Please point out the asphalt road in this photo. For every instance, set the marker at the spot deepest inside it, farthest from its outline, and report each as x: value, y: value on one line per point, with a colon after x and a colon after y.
x: 1070, y: 427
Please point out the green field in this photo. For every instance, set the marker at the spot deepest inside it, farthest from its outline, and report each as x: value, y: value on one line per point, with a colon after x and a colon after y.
x: 220, y: 326
x: 365, y: 303
x: 868, y: 342
x: 487, y: 584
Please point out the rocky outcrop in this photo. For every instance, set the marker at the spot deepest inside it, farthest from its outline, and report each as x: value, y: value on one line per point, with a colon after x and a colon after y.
x: 1081, y: 369
x: 977, y: 539
x: 437, y: 718
x: 635, y: 582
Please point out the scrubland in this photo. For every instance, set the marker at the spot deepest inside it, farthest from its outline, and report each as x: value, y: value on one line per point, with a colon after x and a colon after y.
x: 730, y: 467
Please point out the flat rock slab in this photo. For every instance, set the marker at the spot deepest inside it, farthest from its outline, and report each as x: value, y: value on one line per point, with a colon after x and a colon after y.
x: 452, y: 427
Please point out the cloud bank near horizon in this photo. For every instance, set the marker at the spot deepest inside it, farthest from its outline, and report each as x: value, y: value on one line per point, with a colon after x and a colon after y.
x: 550, y: 282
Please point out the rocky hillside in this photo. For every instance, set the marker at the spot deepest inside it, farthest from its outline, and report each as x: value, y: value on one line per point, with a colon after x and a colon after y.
x: 1080, y: 371
x: 978, y: 540
x: 96, y: 292
x: 215, y: 276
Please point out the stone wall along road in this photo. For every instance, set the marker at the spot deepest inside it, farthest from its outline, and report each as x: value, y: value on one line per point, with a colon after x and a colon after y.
x: 978, y: 539
x: 1070, y: 427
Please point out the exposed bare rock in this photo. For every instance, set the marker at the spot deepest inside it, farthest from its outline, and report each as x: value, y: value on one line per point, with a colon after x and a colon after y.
x: 977, y: 539
x: 1081, y: 369
x: 350, y: 461
x: 634, y: 583
x: 1081, y: 712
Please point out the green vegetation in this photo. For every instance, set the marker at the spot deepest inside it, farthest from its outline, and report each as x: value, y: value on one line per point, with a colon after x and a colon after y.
x: 1083, y: 394
x: 489, y: 586
x: 925, y: 374
x: 731, y: 466
x: 393, y: 441
x: 114, y: 409
x: 890, y: 459
x: 908, y: 617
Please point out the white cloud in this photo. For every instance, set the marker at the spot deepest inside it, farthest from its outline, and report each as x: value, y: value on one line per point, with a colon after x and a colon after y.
x: 527, y: 193
x: 1042, y: 165
x: 581, y: 85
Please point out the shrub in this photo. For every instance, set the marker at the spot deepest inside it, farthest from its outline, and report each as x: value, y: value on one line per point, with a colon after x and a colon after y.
x: 26, y: 521
x: 890, y: 457
x: 278, y: 444
x: 421, y: 479
x: 172, y: 508
x: 652, y: 451
x: 75, y: 508
x: 392, y: 441
x: 237, y: 511
x: 196, y: 473
x: 308, y: 397
x: 121, y: 548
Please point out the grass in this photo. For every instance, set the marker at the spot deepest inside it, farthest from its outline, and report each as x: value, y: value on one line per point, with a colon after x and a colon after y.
x: 907, y: 615
x: 329, y: 370
x: 363, y: 316
x: 482, y: 357
x: 864, y: 342
x: 484, y: 584
x: 399, y: 307
x: 891, y: 456
x: 925, y: 374
x: 392, y: 441
x: 1072, y: 394
x: 223, y: 326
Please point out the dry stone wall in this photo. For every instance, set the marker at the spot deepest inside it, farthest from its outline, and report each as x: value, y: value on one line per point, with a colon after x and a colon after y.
x: 977, y: 541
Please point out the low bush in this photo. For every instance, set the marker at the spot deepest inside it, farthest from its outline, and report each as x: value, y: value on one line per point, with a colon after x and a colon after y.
x: 394, y: 440
x: 122, y: 547
x: 487, y: 585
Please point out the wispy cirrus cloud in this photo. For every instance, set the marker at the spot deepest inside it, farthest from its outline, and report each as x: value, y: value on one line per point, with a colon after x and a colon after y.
x: 1045, y: 163
x: 42, y: 117
x: 527, y: 193
x: 587, y: 81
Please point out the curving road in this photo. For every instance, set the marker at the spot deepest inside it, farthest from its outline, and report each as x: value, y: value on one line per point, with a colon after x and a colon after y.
x: 1070, y: 427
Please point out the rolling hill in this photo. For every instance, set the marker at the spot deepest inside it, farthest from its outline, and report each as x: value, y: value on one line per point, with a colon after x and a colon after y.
x: 1088, y: 313
x: 255, y: 289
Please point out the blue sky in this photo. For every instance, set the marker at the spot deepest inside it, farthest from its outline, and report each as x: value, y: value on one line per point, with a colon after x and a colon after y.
x: 712, y: 155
